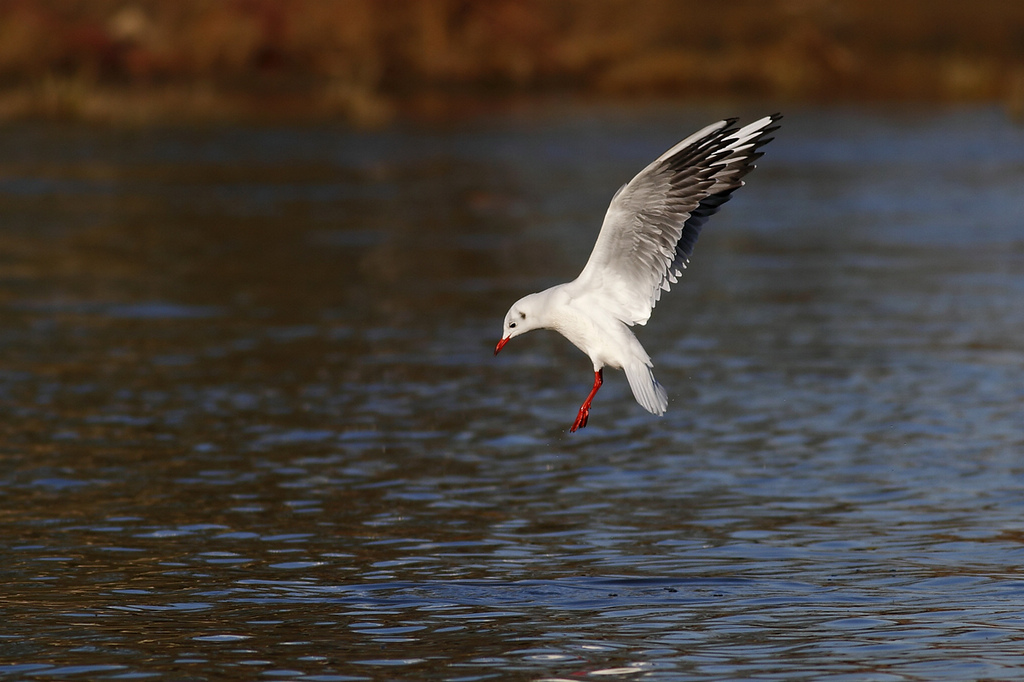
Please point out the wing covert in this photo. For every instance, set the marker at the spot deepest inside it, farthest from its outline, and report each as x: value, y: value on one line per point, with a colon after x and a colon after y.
x: 653, y: 221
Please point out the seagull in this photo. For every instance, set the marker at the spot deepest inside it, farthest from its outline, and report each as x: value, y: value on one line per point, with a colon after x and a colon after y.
x: 644, y: 245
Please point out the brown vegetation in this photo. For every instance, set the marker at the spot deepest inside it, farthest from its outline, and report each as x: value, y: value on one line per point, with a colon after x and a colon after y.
x: 364, y: 60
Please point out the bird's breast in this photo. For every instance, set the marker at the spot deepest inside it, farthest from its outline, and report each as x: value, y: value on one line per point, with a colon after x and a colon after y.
x: 599, y: 336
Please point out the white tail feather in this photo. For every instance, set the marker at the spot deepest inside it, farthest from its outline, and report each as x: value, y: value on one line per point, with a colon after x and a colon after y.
x: 648, y: 392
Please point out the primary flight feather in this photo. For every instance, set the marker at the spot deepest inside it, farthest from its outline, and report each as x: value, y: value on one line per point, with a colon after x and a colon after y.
x: 644, y: 245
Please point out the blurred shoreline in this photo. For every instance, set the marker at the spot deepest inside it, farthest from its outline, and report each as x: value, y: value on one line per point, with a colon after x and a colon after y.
x: 369, y: 62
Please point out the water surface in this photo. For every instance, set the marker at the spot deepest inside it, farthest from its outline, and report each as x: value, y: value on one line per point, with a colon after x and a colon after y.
x: 255, y: 429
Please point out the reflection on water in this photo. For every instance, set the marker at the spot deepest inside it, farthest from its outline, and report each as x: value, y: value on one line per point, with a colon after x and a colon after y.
x: 255, y: 430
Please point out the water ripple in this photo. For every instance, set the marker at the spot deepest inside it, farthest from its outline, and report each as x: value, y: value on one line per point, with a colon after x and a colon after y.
x: 255, y: 427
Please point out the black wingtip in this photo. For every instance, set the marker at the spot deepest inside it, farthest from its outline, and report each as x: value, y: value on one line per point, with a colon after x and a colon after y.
x: 775, y: 118
x: 730, y: 126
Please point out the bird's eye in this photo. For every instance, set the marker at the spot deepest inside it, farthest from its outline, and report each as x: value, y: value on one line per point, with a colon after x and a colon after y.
x: 511, y: 325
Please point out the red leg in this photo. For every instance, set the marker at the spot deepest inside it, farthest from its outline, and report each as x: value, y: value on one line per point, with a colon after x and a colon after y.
x: 584, y: 415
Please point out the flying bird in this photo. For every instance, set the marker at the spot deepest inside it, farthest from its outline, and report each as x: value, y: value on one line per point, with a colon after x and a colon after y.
x: 644, y: 245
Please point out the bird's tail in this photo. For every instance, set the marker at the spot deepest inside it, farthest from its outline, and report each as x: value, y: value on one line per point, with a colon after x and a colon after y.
x: 648, y: 392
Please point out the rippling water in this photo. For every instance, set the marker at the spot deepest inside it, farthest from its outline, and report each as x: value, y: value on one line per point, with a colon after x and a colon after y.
x: 254, y: 429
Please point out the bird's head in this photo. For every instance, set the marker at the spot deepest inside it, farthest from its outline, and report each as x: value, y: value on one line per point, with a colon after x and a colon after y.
x: 522, y: 317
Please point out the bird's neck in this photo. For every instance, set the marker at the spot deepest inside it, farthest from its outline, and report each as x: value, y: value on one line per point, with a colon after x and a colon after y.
x: 549, y: 307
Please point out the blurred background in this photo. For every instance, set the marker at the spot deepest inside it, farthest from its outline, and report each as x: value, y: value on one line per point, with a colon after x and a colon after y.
x: 367, y: 61
x: 254, y: 258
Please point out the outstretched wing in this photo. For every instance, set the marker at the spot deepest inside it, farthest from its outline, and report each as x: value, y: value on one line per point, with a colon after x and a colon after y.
x: 653, y: 221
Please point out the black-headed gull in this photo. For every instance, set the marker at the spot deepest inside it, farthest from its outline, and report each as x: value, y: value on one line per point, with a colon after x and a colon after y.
x: 645, y: 243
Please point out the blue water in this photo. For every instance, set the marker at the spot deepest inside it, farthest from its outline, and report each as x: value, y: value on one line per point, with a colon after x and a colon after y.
x: 255, y: 429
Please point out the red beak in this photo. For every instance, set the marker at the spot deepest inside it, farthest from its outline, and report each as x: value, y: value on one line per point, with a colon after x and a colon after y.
x: 501, y: 344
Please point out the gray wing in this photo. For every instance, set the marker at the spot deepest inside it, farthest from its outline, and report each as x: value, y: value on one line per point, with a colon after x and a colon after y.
x: 653, y: 221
